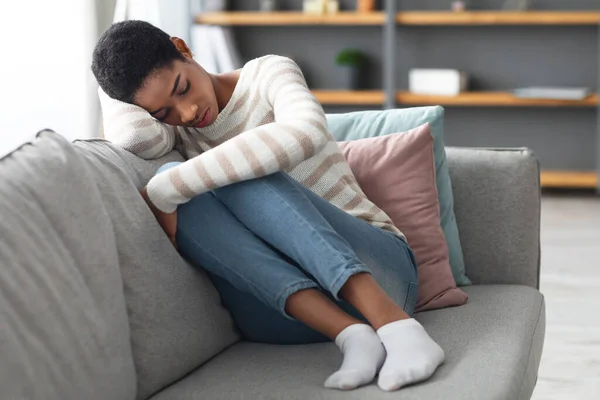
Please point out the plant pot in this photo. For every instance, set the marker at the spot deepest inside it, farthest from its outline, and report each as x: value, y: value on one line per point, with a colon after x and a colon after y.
x: 349, y: 77
x: 365, y: 5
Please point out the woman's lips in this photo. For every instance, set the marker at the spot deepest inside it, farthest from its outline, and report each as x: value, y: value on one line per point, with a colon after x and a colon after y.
x: 205, y: 119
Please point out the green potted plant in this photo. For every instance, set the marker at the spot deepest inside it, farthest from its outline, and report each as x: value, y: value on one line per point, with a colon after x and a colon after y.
x: 350, y: 63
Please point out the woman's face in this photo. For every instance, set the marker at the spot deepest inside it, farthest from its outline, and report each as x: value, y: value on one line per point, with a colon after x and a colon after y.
x: 181, y: 94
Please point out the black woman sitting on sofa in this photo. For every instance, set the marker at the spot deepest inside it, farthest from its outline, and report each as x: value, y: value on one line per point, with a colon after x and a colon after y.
x: 266, y: 204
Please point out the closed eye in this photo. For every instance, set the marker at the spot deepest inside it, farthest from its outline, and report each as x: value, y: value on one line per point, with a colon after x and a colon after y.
x: 187, y: 89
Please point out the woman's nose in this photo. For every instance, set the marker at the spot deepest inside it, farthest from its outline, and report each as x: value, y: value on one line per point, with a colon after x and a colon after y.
x: 188, y: 113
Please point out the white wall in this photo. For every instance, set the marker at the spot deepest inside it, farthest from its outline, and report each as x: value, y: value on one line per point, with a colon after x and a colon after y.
x: 45, y: 78
x: 175, y: 18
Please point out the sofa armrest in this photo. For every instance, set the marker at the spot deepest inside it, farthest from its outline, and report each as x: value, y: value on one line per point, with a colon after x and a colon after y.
x: 497, y: 207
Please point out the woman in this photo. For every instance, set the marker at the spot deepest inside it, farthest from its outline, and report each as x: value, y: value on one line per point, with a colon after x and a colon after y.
x: 266, y: 204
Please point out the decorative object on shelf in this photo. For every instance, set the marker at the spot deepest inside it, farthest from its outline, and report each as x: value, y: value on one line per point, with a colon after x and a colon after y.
x: 268, y: 5
x: 333, y: 6
x: 213, y: 5
x: 440, y: 82
x: 459, y: 6
x: 365, y: 5
x: 517, y: 5
x: 320, y: 7
x: 350, y: 63
x: 555, y: 93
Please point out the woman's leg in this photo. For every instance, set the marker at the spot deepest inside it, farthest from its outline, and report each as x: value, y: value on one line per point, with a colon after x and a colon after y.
x: 320, y: 238
x: 210, y: 236
x: 222, y: 248
x: 319, y: 228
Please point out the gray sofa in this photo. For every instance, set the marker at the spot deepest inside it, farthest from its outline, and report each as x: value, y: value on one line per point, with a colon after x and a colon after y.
x: 96, y: 304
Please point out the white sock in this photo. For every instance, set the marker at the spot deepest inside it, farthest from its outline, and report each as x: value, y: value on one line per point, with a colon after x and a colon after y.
x: 363, y: 357
x: 412, y: 356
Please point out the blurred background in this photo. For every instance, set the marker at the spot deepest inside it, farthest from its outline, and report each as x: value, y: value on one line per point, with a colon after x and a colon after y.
x: 513, y: 73
x: 47, y: 45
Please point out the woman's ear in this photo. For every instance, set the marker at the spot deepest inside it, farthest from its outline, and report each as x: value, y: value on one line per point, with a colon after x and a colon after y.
x: 182, y: 46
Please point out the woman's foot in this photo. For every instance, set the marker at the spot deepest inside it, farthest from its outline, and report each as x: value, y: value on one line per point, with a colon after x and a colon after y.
x: 412, y: 356
x: 363, y: 357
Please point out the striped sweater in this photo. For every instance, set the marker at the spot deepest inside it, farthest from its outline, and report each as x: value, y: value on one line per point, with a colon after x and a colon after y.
x: 271, y: 123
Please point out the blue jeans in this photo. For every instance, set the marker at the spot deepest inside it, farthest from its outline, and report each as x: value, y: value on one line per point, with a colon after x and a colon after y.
x: 262, y: 240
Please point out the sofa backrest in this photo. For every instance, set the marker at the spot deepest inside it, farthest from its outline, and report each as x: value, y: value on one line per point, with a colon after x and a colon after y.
x: 101, y: 301
x: 176, y: 317
x: 64, y: 332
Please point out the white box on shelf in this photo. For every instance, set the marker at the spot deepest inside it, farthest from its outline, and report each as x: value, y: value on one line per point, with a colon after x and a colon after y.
x: 441, y: 82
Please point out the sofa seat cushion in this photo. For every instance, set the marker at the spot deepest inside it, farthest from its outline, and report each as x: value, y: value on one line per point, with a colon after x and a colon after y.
x: 493, y: 347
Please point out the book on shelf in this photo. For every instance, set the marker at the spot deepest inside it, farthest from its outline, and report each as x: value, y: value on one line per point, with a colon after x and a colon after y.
x: 552, y: 92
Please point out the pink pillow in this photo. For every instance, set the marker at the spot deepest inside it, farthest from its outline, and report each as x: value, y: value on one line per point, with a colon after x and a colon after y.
x: 397, y: 172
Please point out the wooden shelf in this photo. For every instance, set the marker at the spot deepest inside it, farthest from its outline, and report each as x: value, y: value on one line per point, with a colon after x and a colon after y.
x: 499, y: 18
x: 344, y: 97
x: 499, y: 99
x: 290, y: 18
x: 467, y: 99
x: 569, y: 179
x: 403, y: 18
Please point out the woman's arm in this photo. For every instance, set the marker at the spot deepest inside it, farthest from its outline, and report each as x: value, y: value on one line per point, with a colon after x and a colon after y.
x: 298, y: 133
x: 132, y: 128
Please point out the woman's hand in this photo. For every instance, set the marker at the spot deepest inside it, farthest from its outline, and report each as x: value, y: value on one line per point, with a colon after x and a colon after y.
x: 168, y: 221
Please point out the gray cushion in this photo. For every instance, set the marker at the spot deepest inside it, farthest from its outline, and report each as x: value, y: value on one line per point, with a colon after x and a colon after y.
x: 493, y: 348
x: 64, y: 332
x: 176, y: 317
x: 497, y: 207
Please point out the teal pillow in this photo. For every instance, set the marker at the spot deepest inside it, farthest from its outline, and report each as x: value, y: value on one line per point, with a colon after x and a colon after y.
x: 363, y: 124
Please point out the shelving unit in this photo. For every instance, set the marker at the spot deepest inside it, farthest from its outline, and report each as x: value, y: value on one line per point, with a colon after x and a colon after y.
x: 491, y: 99
x: 389, y: 20
x: 497, y: 18
x: 249, y: 18
x: 566, y: 179
x: 344, y: 97
x: 289, y: 18
x: 467, y: 99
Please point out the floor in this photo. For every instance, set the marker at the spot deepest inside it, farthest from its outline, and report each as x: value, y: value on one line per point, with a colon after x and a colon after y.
x: 570, y: 282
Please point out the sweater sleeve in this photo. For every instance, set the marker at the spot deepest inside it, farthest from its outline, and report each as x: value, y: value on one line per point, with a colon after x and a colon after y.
x: 134, y: 129
x: 299, y: 131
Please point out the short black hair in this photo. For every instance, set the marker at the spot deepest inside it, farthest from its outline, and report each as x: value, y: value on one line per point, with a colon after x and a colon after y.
x: 127, y: 53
